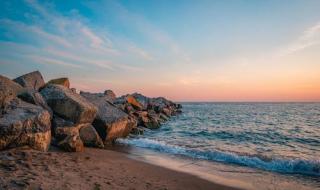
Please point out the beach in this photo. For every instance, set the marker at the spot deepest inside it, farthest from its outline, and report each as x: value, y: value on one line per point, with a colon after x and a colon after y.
x: 95, y: 169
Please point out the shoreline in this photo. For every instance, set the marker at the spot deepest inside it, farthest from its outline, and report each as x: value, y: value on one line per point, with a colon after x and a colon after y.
x: 230, y: 175
x: 23, y: 168
x: 122, y: 167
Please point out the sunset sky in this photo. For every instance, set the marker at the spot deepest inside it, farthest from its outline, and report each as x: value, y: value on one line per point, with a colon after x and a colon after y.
x: 191, y: 50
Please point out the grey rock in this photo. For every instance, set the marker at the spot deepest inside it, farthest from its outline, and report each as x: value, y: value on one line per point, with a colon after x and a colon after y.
x: 66, y: 132
x: 90, y: 137
x: 34, y: 97
x: 111, y: 122
x: 33, y: 80
x: 110, y: 94
x: 69, y: 105
x: 60, y: 81
x: 25, y: 124
x: 8, y: 90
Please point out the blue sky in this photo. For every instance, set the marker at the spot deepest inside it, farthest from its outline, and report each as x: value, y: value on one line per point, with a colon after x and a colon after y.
x: 185, y: 50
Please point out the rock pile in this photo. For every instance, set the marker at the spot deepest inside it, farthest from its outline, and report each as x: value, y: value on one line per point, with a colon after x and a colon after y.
x: 37, y: 114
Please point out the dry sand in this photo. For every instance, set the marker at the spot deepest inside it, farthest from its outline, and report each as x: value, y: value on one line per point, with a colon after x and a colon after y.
x: 92, y: 169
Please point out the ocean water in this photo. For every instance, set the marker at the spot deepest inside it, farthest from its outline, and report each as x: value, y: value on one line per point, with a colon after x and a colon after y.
x: 277, y: 137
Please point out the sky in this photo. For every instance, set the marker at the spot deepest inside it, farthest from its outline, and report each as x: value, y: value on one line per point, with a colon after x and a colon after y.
x: 185, y: 50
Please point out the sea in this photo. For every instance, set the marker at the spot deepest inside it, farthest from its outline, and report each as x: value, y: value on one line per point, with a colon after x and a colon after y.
x: 278, y: 139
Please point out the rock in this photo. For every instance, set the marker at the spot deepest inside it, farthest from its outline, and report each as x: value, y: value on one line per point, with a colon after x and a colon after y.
x: 8, y: 90
x: 74, y: 90
x: 166, y: 111
x: 131, y: 100
x: 66, y: 135
x: 69, y: 105
x: 143, y: 100
x: 64, y: 130
x: 163, y: 117
x: 137, y: 130
x: 90, y: 137
x: 33, y: 80
x: 105, y: 96
x: 72, y: 143
x: 110, y: 94
x: 60, y: 81
x: 25, y: 124
x: 110, y: 122
x: 34, y: 97
x: 148, y: 120
x: 151, y: 122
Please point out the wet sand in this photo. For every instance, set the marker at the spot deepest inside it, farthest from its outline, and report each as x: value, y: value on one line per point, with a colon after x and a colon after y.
x: 92, y: 169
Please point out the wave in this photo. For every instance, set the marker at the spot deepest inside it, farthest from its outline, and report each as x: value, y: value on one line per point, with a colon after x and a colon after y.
x: 292, y: 166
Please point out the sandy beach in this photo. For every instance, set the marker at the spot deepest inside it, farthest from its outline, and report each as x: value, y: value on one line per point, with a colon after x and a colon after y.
x: 92, y: 169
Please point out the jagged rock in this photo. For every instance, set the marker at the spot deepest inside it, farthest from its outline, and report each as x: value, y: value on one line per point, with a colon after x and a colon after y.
x: 25, y: 124
x: 148, y: 120
x: 72, y: 143
x: 155, y: 110
x: 151, y: 122
x: 90, y: 137
x: 63, y: 130
x: 66, y: 135
x: 163, y: 117
x: 131, y: 100
x: 110, y: 94
x: 60, y: 81
x: 69, y: 105
x: 8, y: 90
x: 33, y: 80
x: 143, y: 100
x: 110, y: 122
x: 34, y: 97
x: 137, y: 130
x: 166, y: 111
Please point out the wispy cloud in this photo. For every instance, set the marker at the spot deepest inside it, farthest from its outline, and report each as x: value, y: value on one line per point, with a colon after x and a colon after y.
x: 65, y: 41
x: 310, y: 37
x: 141, y: 52
x: 46, y: 60
x: 157, y: 36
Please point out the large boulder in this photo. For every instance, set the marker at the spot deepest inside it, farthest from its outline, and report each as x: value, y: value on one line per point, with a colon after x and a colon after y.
x: 110, y: 122
x: 33, y: 80
x: 143, y: 100
x: 8, y: 90
x: 69, y: 105
x: 60, y: 81
x: 148, y: 120
x: 34, y: 97
x: 71, y: 143
x: 110, y: 94
x: 90, y: 137
x: 129, y: 99
x: 25, y: 124
x: 68, y: 135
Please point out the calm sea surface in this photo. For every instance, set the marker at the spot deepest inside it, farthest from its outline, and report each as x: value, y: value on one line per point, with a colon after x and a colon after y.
x: 278, y: 137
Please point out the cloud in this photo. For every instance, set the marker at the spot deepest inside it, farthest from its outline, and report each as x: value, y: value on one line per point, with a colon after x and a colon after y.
x: 34, y: 32
x: 141, y: 53
x: 154, y: 35
x: 95, y: 40
x: 46, y: 60
x: 56, y: 39
x: 310, y: 37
